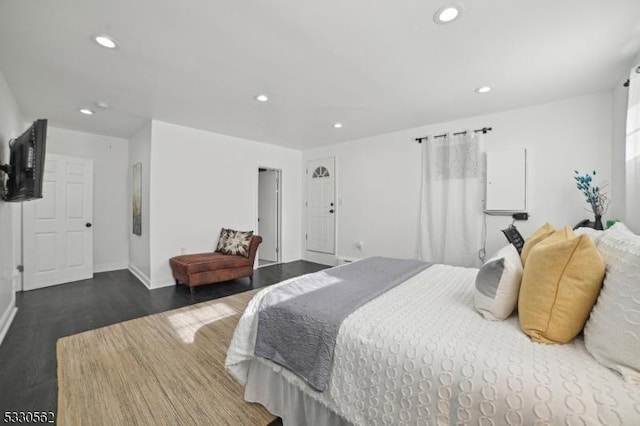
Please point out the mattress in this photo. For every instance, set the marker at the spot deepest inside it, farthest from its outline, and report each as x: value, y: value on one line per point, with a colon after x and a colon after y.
x: 421, y: 354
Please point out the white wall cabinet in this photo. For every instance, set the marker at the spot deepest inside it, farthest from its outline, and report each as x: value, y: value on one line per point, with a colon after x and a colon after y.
x: 506, y: 181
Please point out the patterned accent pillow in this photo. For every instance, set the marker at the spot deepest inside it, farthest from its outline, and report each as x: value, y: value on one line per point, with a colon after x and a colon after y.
x: 234, y: 242
x: 222, y: 240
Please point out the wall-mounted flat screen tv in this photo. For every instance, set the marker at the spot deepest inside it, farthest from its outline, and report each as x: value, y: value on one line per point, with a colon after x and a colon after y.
x: 26, y: 164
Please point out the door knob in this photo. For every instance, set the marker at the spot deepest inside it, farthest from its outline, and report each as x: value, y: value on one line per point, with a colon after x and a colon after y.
x: 88, y: 225
x: 331, y: 211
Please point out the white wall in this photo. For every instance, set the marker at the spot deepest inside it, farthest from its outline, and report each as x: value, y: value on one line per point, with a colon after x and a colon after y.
x: 378, y: 177
x: 11, y: 125
x: 203, y: 181
x: 110, y: 189
x: 139, y: 255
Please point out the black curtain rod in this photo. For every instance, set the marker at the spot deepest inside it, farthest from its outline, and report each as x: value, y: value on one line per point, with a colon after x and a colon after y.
x: 484, y: 130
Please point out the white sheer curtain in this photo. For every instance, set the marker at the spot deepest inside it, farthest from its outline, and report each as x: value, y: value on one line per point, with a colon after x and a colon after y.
x: 451, y: 212
x: 632, y: 218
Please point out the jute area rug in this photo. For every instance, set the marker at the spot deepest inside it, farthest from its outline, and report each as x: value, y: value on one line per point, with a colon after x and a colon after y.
x: 163, y: 369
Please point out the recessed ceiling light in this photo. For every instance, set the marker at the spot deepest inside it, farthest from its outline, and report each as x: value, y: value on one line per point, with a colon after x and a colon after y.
x: 447, y: 14
x: 86, y: 111
x: 337, y: 125
x: 262, y: 98
x: 106, y: 41
x: 483, y: 89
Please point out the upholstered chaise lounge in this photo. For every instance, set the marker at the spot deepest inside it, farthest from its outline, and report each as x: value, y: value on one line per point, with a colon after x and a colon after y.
x: 208, y: 268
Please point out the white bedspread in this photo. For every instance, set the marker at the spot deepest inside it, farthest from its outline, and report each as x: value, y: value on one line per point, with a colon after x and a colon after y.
x: 421, y: 354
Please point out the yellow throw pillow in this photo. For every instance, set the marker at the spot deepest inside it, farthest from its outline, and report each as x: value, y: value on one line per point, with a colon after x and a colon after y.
x: 534, y: 239
x: 560, y: 285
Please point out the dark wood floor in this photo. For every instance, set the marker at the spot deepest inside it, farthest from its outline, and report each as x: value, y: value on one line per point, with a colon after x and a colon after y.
x: 28, y: 377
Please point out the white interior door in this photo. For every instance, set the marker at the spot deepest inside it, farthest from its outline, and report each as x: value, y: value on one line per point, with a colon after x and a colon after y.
x: 321, y: 205
x: 57, y: 233
x: 268, y: 215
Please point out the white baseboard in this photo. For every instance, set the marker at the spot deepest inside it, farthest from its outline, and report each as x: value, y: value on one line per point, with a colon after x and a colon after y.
x: 161, y: 284
x: 147, y: 281
x: 342, y: 260
x: 321, y: 258
x: 291, y: 259
x: 7, y: 318
x: 113, y: 266
x: 139, y: 275
x: 17, y: 281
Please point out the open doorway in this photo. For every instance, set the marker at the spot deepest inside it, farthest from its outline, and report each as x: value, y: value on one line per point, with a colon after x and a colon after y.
x: 269, y: 220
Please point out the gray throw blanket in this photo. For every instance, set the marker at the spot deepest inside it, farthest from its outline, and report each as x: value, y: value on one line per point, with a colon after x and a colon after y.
x: 298, y: 322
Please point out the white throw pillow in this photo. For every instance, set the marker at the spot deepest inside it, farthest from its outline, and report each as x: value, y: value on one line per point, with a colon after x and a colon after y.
x: 498, y: 284
x: 612, y: 334
x: 594, y: 234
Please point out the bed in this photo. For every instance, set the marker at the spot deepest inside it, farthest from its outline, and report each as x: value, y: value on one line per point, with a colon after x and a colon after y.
x: 421, y: 354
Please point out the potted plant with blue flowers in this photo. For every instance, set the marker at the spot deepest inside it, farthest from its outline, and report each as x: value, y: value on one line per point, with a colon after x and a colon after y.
x: 594, y: 195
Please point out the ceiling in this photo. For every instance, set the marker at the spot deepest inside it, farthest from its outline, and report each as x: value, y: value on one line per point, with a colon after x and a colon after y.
x: 376, y: 66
